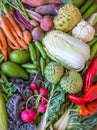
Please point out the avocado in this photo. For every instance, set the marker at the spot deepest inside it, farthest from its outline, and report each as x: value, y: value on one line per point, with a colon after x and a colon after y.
x: 20, y: 56
x: 13, y: 70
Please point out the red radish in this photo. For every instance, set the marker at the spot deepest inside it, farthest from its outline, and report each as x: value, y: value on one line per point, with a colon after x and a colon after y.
x: 33, y: 86
x: 42, y: 108
x: 43, y: 100
x: 28, y: 115
x: 43, y: 91
x: 46, y: 22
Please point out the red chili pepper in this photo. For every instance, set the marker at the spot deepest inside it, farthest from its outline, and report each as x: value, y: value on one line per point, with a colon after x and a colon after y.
x: 87, y: 109
x: 90, y: 96
x: 90, y: 74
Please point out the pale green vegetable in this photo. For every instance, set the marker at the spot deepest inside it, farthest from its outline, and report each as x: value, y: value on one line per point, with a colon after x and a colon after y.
x: 53, y: 72
x: 68, y: 16
x: 67, y: 50
x: 93, y: 19
x: 72, y: 82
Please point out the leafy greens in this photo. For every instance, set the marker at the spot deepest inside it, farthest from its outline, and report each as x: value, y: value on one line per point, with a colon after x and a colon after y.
x: 56, y: 98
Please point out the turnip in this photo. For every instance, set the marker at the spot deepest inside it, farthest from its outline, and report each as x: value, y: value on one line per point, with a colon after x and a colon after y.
x: 46, y: 22
x: 37, y: 34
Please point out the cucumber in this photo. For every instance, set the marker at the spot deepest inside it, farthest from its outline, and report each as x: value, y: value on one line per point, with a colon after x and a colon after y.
x: 13, y: 70
x: 3, y: 114
x: 90, y: 11
x: 86, y: 6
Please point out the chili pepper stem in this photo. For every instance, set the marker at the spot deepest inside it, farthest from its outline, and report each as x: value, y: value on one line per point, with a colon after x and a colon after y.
x: 75, y: 110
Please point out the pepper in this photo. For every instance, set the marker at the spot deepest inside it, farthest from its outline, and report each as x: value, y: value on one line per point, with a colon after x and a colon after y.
x: 89, y: 96
x: 82, y: 110
x: 87, y: 109
x: 90, y: 74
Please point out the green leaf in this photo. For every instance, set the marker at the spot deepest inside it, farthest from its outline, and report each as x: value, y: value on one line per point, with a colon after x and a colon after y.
x: 56, y: 98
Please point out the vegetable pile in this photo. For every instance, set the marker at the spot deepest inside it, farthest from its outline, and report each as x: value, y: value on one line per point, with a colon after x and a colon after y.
x: 48, y: 64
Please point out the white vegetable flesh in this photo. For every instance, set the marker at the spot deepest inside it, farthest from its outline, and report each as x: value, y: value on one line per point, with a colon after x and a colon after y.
x: 67, y: 50
x: 84, y: 31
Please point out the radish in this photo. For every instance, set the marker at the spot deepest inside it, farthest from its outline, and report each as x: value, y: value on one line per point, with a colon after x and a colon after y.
x: 42, y: 108
x: 43, y: 91
x: 43, y: 100
x: 33, y: 86
x: 28, y: 115
x: 46, y: 22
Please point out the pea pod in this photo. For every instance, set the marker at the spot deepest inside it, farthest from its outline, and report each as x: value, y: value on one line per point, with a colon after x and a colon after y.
x: 90, y: 11
x: 93, y: 50
x: 40, y: 48
x: 93, y: 41
x: 42, y: 65
x: 32, y: 52
x: 3, y: 114
x: 31, y: 71
x: 37, y: 62
x: 29, y: 66
x: 47, y: 60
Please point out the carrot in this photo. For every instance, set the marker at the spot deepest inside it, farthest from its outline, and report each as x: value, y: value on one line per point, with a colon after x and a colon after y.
x: 12, y: 21
x: 27, y: 36
x: 11, y: 45
x: 12, y: 28
x: 3, y: 44
x: 8, y: 33
x: 8, y: 51
x: 22, y: 43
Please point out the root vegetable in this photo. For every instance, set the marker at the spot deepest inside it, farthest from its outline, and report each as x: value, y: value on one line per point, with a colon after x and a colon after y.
x: 46, y: 22
x: 50, y: 9
x: 27, y: 36
x: 36, y: 3
x: 37, y: 34
x: 34, y: 23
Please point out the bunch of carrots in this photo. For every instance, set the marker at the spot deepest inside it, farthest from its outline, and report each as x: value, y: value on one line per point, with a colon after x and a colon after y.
x: 11, y: 36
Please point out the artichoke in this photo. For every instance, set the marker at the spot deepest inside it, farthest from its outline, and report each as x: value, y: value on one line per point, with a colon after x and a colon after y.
x: 53, y: 72
x: 71, y: 82
x: 68, y: 16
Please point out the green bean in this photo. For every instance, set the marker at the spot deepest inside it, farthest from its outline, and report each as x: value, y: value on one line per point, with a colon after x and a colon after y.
x: 47, y: 60
x: 93, y: 41
x: 40, y: 48
x: 42, y: 65
x: 37, y: 53
x: 29, y: 66
x: 93, y: 51
x: 37, y: 63
x: 32, y: 52
x: 31, y: 71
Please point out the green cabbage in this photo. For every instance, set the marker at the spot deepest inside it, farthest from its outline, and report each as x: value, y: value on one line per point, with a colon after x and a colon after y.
x: 67, y: 50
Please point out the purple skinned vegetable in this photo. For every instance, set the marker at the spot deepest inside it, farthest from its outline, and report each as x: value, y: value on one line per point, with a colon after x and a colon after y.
x: 46, y: 22
x: 21, y: 20
x: 50, y: 9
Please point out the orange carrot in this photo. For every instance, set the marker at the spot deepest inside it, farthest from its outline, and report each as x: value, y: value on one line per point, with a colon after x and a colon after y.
x: 12, y: 28
x: 11, y: 45
x: 3, y: 44
x: 8, y: 51
x: 22, y: 43
x: 12, y: 21
x: 7, y: 32
x: 27, y: 36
